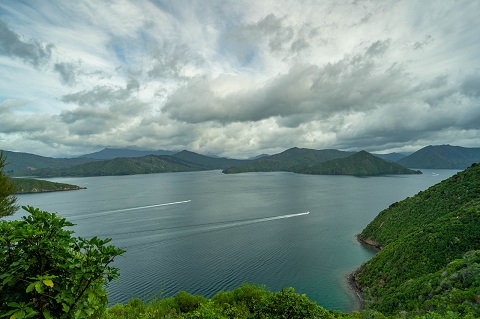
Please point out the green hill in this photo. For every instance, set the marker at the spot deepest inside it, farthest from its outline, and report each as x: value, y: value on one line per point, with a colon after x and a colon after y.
x: 442, y: 156
x: 30, y: 185
x: 428, y: 259
x: 358, y: 164
x: 287, y: 161
x: 124, y: 166
x: 18, y: 163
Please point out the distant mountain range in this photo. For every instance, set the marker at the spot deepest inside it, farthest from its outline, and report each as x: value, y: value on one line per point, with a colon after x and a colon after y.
x: 299, y: 160
x: 358, y: 164
x: 111, y: 153
x: 391, y: 157
x: 442, y: 156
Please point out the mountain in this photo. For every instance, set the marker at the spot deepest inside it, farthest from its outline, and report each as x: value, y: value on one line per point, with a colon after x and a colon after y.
x: 124, y: 166
x: 111, y: 153
x: 442, y: 156
x: 287, y: 160
x: 18, y: 162
x: 359, y: 164
x: 183, y: 161
x: 208, y: 161
x: 391, y: 157
x: 430, y: 251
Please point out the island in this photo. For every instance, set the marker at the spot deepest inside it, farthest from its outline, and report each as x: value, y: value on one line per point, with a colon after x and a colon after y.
x: 31, y: 185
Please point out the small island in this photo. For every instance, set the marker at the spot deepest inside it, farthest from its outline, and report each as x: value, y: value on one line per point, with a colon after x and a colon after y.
x: 30, y: 185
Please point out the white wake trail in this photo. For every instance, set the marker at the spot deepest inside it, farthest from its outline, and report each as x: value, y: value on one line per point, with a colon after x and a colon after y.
x: 130, y: 209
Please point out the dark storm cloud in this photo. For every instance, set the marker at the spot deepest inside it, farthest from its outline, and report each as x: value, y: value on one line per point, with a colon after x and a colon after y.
x: 32, y: 52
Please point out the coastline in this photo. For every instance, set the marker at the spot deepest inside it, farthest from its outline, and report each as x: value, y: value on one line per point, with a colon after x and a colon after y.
x: 38, y: 190
x: 351, y: 280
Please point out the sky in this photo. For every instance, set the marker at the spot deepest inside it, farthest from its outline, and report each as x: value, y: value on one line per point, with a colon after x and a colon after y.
x: 238, y: 78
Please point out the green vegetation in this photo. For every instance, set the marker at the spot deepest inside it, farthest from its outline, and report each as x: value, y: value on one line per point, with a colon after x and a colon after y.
x: 24, y: 164
x: 124, y: 166
x: 247, y: 301
x: 358, y: 164
x: 30, y: 185
x: 287, y: 161
x: 442, y: 156
x: 430, y: 251
x: 47, y: 273
x: 181, y: 162
x: 428, y: 266
x: 7, y: 188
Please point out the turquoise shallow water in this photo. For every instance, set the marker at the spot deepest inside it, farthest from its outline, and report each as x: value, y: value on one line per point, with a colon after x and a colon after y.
x: 204, y: 232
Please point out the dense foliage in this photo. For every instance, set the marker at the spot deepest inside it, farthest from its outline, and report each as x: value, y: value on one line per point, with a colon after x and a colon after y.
x: 358, y: 164
x: 430, y: 255
x: 247, y: 301
x: 47, y: 273
x: 30, y: 185
x: 7, y: 188
x: 442, y: 156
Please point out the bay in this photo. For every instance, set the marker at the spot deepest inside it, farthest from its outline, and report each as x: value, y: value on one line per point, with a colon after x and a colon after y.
x: 203, y: 232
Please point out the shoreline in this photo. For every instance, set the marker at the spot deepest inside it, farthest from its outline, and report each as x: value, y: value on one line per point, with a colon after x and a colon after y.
x: 36, y: 191
x: 351, y: 280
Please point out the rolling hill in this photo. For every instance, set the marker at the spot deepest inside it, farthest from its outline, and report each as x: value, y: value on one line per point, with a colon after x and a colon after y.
x: 124, y: 166
x: 442, y: 157
x: 18, y: 162
x: 358, y: 164
x: 287, y: 161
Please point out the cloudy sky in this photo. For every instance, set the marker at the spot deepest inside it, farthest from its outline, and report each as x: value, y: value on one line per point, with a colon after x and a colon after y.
x: 238, y: 78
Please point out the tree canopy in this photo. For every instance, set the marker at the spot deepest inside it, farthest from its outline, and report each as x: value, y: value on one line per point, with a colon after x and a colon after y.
x: 7, y: 188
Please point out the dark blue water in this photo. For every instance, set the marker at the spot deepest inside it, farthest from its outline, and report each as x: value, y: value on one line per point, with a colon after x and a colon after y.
x: 204, y: 232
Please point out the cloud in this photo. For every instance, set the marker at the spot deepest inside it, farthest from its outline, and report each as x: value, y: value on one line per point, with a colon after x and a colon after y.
x: 67, y: 72
x: 32, y: 52
x: 238, y: 78
x: 471, y: 85
x: 353, y: 83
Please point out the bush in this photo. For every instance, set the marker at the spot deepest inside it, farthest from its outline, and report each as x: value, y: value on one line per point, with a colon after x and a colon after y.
x: 47, y: 273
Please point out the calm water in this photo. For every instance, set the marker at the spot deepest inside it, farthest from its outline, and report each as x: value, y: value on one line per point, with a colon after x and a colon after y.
x: 204, y: 232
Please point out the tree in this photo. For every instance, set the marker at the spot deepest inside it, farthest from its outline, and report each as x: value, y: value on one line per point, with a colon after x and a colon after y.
x: 7, y: 188
x: 47, y: 273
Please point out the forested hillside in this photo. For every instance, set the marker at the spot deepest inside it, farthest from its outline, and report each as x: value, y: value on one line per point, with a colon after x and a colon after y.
x: 124, y: 166
x: 358, y: 164
x: 442, y: 156
x: 26, y: 163
x: 288, y: 160
x: 430, y: 250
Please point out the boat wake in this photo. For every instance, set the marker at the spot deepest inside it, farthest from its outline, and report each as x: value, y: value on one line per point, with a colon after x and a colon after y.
x: 172, y: 233
x: 128, y: 209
